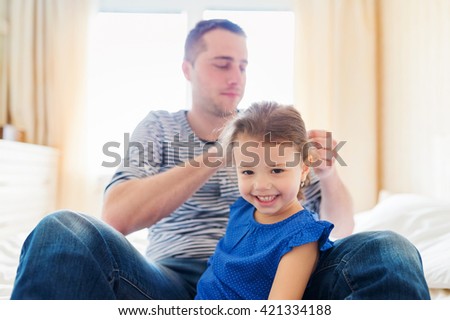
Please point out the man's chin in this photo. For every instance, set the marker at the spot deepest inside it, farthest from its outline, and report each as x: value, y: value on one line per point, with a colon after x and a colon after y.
x: 226, y: 112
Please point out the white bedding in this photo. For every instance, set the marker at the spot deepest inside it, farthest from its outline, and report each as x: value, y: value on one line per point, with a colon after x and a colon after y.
x: 424, y: 221
x: 9, y: 257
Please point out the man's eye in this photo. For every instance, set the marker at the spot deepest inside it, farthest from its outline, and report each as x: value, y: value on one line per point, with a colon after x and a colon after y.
x: 221, y: 66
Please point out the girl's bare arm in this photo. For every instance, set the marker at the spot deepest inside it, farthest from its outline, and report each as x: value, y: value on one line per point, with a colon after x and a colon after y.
x: 294, y: 271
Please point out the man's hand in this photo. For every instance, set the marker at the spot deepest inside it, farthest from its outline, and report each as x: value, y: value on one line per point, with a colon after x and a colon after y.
x: 323, y: 153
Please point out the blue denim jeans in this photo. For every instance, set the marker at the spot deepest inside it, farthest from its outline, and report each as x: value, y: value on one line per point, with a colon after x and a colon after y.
x: 73, y: 256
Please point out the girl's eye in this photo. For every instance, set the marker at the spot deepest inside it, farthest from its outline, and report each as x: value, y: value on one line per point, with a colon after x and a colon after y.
x: 277, y: 170
x: 247, y: 172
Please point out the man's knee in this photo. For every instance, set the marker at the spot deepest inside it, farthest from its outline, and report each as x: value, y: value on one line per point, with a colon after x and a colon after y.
x: 58, y: 217
x: 58, y: 221
x: 392, y: 248
x: 64, y: 225
x: 393, y: 242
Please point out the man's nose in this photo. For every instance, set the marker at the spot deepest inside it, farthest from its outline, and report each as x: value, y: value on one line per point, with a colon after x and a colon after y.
x: 236, y: 76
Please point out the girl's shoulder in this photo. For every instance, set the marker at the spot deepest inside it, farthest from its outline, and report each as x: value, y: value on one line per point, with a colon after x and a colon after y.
x: 307, y: 228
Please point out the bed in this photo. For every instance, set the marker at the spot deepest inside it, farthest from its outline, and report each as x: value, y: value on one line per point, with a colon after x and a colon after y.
x: 423, y: 220
x: 28, y: 189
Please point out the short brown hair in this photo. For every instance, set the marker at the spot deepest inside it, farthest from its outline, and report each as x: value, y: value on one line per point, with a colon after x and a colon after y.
x: 194, y: 42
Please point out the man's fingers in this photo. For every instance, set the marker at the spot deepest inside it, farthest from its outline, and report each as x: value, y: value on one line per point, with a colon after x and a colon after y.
x: 328, y: 148
x: 315, y: 133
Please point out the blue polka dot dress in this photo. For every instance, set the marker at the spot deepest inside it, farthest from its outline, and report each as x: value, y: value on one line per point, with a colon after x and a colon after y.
x: 246, y: 258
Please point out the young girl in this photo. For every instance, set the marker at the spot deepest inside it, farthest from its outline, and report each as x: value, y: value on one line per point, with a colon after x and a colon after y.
x: 271, y: 244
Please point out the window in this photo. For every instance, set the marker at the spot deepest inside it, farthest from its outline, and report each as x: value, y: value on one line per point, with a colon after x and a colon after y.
x: 133, y: 68
x: 136, y: 56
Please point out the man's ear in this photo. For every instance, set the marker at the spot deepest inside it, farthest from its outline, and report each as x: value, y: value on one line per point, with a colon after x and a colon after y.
x: 187, y: 67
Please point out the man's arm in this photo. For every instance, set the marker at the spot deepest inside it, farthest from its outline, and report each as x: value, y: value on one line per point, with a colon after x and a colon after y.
x: 336, y: 202
x: 138, y: 203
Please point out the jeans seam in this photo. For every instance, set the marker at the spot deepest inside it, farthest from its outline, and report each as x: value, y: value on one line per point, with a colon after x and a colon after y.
x: 106, y: 244
x: 343, y: 263
x: 347, y: 277
x: 345, y: 273
x: 122, y: 277
x: 118, y: 275
x: 331, y: 265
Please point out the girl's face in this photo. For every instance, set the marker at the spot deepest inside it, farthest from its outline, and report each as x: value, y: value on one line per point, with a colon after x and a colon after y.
x: 269, y: 176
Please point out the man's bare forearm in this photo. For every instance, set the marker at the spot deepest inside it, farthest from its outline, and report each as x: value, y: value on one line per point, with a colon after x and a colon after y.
x: 337, y: 205
x: 139, y: 203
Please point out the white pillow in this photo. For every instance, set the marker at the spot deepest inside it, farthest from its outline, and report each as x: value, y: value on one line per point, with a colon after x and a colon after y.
x: 422, y: 220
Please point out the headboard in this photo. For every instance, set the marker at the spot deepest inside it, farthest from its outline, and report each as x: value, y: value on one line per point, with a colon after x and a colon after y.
x: 28, y: 184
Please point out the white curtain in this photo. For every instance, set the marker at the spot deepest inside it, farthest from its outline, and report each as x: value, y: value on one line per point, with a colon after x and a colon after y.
x: 3, y: 34
x: 416, y: 96
x: 336, y: 84
x: 377, y: 74
x: 45, y: 82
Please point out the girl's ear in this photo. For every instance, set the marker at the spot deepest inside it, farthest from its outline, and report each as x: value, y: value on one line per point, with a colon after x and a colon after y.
x: 305, y: 171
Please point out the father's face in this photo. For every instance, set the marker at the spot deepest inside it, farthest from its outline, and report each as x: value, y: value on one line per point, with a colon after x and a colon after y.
x: 218, y: 74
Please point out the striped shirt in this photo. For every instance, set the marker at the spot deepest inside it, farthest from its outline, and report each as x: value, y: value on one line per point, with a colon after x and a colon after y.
x: 161, y: 141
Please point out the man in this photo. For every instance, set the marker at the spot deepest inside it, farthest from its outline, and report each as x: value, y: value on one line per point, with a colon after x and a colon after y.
x: 170, y: 183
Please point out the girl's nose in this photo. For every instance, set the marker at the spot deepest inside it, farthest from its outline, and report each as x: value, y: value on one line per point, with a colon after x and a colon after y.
x: 262, y: 184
